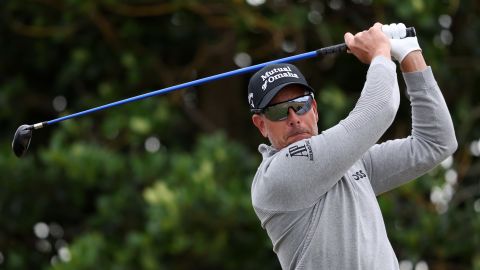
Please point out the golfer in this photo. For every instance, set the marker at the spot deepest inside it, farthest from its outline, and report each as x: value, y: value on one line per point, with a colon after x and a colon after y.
x: 315, y: 194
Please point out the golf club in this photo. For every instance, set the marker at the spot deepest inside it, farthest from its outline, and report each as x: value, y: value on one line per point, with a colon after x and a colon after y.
x: 23, y: 135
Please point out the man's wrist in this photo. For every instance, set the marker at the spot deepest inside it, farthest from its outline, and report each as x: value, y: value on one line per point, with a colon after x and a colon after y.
x: 384, y: 61
x: 413, y: 62
x: 385, y: 53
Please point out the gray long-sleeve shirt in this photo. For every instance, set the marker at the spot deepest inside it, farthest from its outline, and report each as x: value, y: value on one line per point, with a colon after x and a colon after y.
x: 316, y: 198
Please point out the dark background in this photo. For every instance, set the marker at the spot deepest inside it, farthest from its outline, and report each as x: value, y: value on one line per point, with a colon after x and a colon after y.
x: 164, y: 183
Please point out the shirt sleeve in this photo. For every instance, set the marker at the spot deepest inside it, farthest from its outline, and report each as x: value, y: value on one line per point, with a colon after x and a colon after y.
x: 298, y: 175
x: 432, y: 139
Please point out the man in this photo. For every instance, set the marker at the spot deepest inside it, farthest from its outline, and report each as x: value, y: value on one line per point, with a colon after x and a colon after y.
x: 315, y: 194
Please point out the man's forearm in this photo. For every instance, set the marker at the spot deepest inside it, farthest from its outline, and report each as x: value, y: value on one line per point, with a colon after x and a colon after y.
x: 413, y: 62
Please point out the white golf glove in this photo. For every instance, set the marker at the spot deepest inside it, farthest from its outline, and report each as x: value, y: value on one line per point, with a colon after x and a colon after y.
x: 401, y: 45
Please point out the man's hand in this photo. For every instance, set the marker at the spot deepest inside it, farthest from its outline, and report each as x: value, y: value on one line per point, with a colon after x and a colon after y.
x: 367, y: 45
x: 401, y: 47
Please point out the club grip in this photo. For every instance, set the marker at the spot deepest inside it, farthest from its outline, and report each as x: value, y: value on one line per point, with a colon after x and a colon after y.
x: 343, y: 47
x: 411, y: 32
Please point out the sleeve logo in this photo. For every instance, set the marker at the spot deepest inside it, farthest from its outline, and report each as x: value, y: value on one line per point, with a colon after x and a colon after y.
x: 300, y: 150
x: 359, y: 175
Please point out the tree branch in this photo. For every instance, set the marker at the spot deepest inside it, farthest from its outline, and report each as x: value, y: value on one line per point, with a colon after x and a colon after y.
x: 141, y: 10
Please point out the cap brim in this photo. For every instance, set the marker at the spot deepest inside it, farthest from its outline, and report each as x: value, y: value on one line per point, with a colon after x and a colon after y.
x: 272, y: 93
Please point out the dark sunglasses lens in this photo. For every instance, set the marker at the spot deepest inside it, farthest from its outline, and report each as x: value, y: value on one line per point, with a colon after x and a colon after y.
x: 303, y: 107
x: 279, y: 111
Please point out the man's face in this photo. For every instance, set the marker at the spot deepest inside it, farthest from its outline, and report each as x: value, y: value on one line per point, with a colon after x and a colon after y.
x: 295, y: 127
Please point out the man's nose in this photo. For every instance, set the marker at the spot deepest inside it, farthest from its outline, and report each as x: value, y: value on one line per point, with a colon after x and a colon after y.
x: 292, y: 118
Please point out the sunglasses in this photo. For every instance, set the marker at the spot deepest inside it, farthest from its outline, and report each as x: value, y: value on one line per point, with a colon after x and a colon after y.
x: 279, y: 111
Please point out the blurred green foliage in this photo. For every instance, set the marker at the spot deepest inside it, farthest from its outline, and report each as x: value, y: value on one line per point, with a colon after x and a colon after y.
x: 165, y: 183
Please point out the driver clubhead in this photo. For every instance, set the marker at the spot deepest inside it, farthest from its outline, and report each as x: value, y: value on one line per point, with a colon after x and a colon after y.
x: 21, y: 140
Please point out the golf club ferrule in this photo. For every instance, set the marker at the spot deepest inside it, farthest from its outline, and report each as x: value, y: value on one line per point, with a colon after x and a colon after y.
x: 39, y: 125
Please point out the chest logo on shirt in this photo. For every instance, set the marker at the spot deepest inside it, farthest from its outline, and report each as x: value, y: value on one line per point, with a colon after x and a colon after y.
x: 359, y: 175
x: 299, y: 150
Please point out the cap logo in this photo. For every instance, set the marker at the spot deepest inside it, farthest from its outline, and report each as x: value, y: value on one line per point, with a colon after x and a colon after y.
x: 264, y: 85
x: 275, y: 74
x: 250, y: 100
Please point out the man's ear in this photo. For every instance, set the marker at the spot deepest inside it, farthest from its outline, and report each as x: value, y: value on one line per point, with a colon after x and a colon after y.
x: 259, y: 122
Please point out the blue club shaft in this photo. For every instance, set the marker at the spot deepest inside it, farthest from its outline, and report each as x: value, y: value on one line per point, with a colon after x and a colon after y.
x: 183, y: 85
x: 410, y: 32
